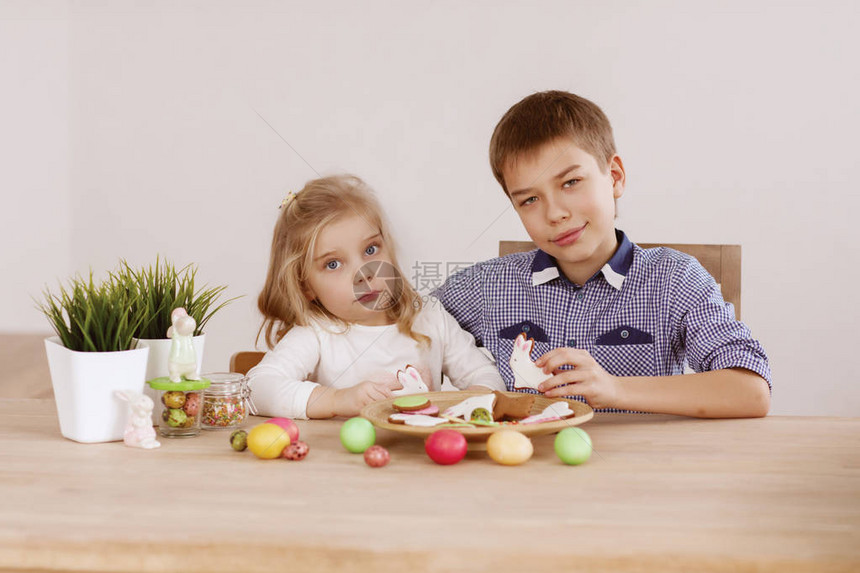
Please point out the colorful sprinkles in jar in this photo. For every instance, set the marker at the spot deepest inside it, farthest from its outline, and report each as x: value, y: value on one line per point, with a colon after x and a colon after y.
x: 226, y: 403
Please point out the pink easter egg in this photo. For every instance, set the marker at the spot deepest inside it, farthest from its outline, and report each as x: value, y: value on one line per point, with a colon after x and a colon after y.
x: 287, y: 424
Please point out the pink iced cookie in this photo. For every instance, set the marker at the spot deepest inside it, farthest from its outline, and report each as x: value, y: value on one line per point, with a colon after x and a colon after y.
x: 431, y: 410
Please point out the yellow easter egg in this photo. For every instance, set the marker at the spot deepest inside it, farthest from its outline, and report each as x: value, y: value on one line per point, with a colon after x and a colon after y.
x: 509, y: 447
x: 267, y: 441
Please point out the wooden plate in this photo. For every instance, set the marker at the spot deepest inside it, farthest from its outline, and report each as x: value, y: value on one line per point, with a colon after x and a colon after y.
x: 378, y: 413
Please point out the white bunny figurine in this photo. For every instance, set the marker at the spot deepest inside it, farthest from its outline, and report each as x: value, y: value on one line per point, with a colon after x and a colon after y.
x: 139, y: 432
x: 182, y: 361
x: 411, y: 381
x: 526, y: 374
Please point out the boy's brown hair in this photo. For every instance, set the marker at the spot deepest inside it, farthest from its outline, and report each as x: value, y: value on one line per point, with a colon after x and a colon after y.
x: 543, y: 117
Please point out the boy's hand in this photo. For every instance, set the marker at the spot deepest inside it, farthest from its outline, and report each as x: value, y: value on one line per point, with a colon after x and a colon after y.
x: 587, y: 379
x: 350, y: 401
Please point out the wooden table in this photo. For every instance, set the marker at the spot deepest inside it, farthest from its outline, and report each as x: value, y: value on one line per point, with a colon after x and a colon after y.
x: 659, y: 494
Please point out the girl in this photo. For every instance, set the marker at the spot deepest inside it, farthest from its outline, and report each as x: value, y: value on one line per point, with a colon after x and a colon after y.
x: 339, y: 319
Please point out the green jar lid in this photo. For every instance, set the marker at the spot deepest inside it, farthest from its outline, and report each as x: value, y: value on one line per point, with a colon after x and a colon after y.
x: 164, y: 383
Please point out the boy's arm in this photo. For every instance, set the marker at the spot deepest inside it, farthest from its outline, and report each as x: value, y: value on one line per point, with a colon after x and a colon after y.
x: 726, y: 393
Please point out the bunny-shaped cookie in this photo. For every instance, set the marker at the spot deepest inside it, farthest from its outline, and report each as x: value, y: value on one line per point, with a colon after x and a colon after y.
x: 526, y: 374
x: 411, y: 381
x: 182, y: 360
x: 139, y: 432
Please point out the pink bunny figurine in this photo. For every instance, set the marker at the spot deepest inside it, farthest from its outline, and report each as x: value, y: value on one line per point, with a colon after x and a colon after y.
x: 411, y: 381
x: 139, y: 432
x: 182, y: 360
x: 526, y: 374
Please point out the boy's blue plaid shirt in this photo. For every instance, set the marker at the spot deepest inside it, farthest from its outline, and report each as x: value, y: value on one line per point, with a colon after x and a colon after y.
x: 642, y: 314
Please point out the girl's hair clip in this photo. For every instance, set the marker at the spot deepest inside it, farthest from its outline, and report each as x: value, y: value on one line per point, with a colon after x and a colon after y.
x: 287, y: 200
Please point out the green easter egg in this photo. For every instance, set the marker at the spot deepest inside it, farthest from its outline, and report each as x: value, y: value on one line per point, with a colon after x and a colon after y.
x: 357, y: 434
x: 177, y: 418
x: 573, y: 446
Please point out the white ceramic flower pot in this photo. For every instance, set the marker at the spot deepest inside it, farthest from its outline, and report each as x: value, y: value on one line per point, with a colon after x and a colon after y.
x: 156, y: 366
x: 84, y: 385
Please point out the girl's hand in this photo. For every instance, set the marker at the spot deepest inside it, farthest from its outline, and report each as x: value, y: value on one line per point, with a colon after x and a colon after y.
x: 587, y: 379
x: 350, y: 401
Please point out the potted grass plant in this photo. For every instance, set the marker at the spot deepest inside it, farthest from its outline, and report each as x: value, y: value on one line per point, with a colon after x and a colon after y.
x: 158, y: 289
x: 93, y: 355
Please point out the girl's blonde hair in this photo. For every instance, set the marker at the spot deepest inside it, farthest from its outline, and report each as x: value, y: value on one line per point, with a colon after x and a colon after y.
x: 322, y: 201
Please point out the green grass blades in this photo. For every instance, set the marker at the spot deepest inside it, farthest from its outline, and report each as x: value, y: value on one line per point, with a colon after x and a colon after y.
x: 90, y: 317
x: 162, y: 288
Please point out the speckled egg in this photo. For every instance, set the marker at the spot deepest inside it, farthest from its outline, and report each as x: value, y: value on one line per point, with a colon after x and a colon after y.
x: 173, y: 399
x: 296, y: 451
x: 176, y: 417
x: 192, y: 403
x: 376, y: 456
x: 189, y: 421
x: 239, y: 440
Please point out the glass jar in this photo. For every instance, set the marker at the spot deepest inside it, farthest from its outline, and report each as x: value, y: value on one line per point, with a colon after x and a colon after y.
x: 227, y: 402
x: 181, y: 406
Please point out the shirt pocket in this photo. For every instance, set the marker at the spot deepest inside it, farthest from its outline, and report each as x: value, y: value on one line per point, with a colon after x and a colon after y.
x: 626, y: 351
x: 529, y: 328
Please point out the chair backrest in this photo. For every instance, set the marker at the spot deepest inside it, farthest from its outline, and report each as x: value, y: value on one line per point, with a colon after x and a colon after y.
x: 722, y: 261
x: 241, y: 362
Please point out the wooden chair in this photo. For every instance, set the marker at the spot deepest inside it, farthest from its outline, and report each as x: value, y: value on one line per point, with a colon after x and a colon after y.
x: 241, y: 362
x: 722, y: 261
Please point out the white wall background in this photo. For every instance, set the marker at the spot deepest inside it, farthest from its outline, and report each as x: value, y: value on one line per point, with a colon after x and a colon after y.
x: 130, y: 129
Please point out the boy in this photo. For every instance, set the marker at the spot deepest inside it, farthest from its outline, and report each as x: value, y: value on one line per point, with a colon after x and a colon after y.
x: 611, y: 321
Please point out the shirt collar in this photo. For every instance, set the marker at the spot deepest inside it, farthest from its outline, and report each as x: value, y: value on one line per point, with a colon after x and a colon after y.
x: 545, y: 268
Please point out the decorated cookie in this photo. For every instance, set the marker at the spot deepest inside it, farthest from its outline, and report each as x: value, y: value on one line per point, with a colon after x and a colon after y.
x: 411, y: 381
x: 419, y: 420
x: 526, y: 374
x: 431, y: 410
x: 410, y: 403
x: 465, y: 408
x: 481, y: 415
x: 515, y: 407
x: 479, y: 422
x: 555, y: 411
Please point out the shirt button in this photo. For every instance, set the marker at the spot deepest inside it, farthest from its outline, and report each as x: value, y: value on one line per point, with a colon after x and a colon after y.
x: 526, y: 328
x: 624, y: 334
x: 579, y: 296
x: 571, y: 342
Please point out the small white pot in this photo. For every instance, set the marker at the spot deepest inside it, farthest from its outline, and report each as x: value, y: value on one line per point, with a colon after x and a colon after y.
x: 84, y: 385
x: 156, y: 366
